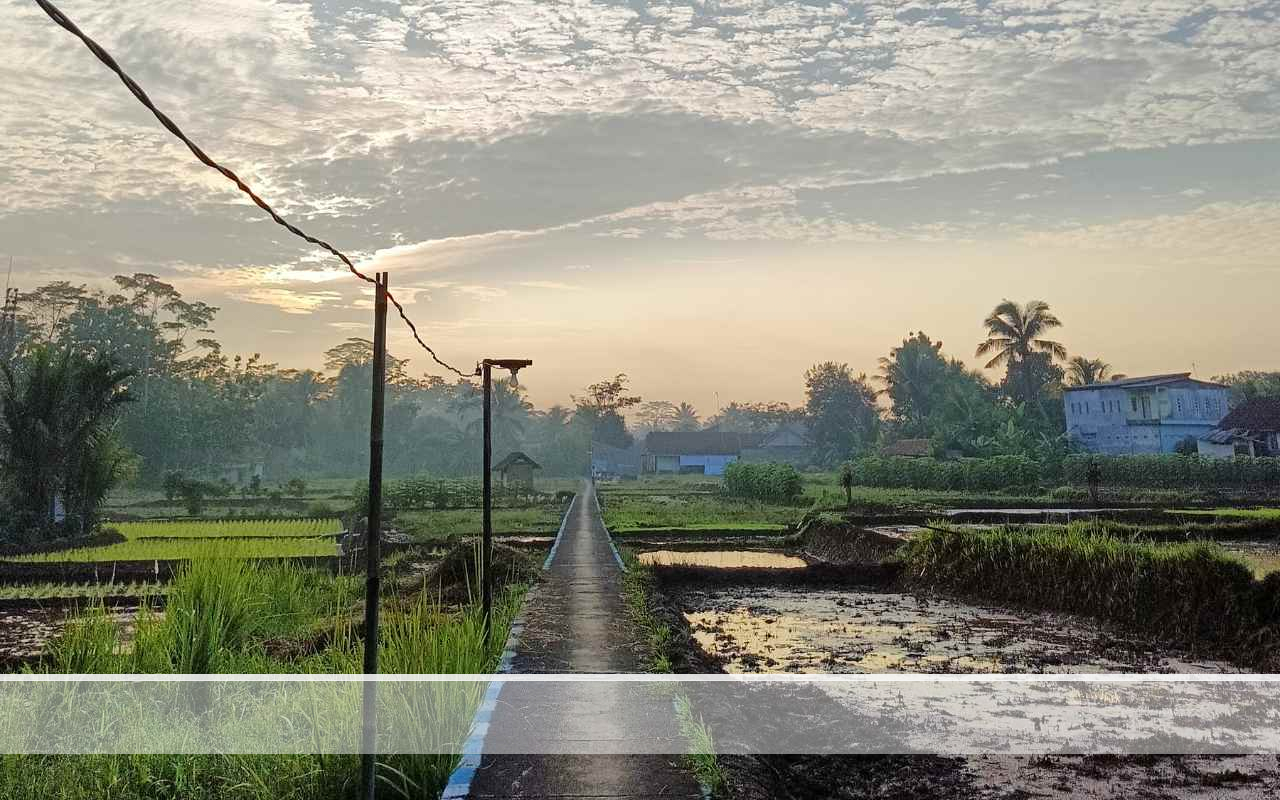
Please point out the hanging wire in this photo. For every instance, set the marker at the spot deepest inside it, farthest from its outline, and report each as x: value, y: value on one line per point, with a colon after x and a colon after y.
x: 106, y: 58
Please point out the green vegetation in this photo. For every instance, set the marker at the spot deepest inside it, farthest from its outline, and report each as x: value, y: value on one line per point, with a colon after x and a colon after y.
x: 224, y: 617
x: 58, y: 410
x: 145, y: 550
x: 1195, y: 593
x: 663, y: 654
x: 974, y: 475
x: 44, y: 591
x: 439, y: 525
x: 768, y: 483
x: 628, y: 513
x: 1174, y: 471
x: 1248, y: 513
x: 206, y: 529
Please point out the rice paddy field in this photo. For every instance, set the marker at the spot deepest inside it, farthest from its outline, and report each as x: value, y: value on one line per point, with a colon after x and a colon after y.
x: 254, y: 539
x: 455, y: 523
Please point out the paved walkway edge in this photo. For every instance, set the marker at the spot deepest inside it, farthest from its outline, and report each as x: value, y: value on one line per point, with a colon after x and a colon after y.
x: 612, y: 545
x: 459, y: 785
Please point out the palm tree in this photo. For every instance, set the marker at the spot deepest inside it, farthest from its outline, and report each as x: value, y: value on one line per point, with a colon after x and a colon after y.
x: 1083, y: 371
x: 687, y: 418
x: 57, y: 414
x: 1015, y: 334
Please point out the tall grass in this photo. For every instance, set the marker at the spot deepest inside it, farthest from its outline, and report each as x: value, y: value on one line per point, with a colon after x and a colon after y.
x: 1194, y: 593
x: 219, y: 614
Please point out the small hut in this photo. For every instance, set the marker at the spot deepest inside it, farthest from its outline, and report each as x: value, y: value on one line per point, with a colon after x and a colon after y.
x: 516, y: 471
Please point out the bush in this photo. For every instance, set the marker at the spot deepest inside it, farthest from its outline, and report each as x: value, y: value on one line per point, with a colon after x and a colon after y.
x: 970, y: 474
x: 1190, y: 592
x: 1168, y: 471
x: 771, y: 483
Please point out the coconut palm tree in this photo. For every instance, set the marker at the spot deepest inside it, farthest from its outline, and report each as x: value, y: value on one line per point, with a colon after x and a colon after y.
x: 1015, y: 333
x: 687, y: 418
x: 1083, y: 371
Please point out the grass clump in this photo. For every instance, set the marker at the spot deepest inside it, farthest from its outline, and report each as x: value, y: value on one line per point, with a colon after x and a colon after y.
x: 1193, y: 593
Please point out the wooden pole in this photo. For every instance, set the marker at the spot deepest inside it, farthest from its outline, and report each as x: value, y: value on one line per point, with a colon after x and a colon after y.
x: 373, y: 540
x: 486, y: 544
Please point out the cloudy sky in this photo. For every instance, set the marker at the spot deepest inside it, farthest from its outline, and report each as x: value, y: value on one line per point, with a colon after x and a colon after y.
x: 709, y: 196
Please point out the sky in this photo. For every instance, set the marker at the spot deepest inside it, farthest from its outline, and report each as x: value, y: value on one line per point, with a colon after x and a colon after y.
x: 707, y: 196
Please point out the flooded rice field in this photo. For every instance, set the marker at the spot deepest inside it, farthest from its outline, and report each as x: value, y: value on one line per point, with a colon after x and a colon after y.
x: 812, y: 629
x: 767, y: 629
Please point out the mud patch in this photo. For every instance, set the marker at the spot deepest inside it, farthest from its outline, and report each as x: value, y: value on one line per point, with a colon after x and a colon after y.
x: 722, y: 559
x: 759, y: 629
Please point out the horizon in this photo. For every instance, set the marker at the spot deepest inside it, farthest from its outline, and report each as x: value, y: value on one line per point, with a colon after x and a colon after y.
x: 709, y: 203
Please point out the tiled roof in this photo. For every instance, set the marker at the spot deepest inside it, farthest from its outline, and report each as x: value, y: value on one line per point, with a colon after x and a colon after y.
x: 700, y: 443
x: 1259, y: 414
x: 1146, y: 381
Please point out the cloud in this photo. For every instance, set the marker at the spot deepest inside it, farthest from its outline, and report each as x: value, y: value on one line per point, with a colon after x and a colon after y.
x: 290, y: 302
x: 1219, y: 234
x: 557, y: 286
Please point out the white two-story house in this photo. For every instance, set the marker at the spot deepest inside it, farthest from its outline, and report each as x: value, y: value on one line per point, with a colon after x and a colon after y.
x: 1152, y: 414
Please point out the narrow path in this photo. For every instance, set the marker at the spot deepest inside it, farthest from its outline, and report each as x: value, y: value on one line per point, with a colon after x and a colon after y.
x: 576, y: 622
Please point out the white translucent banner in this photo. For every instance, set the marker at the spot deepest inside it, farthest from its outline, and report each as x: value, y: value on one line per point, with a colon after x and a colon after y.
x: 638, y: 714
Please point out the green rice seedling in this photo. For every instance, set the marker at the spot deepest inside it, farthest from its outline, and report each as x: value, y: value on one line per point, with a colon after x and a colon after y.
x: 87, y: 645
x: 1193, y: 592
x: 205, y: 529
x: 149, y: 550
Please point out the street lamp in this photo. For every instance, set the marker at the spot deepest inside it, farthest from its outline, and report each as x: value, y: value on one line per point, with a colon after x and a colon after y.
x: 485, y: 369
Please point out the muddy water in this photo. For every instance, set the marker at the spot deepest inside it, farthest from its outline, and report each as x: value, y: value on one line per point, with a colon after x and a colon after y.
x: 724, y: 559
x: 773, y: 630
x: 812, y: 630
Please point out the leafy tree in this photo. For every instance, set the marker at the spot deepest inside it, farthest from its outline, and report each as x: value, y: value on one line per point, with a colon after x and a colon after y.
x: 602, y: 408
x: 658, y: 415
x: 914, y: 375
x: 58, y: 410
x: 1015, y: 337
x: 754, y: 417
x: 1250, y: 384
x: 840, y: 409
x: 1083, y: 371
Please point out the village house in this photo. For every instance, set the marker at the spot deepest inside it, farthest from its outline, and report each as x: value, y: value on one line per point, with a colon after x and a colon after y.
x: 1151, y: 414
x: 788, y: 444
x: 516, y: 471
x: 1251, y: 429
x: 694, y: 452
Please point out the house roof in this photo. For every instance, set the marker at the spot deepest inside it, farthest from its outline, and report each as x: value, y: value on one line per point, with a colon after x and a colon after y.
x: 1146, y: 382
x: 515, y: 458
x: 909, y: 447
x: 1259, y: 414
x: 1227, y: 436
x: 700, y: 443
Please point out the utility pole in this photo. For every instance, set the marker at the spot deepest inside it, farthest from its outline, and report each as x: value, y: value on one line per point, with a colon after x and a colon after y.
x: 373, y: 540
x: 514, y: 365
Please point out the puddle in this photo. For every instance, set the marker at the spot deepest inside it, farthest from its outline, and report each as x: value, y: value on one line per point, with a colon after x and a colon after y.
x: 722, y: 559
x: 763, y: 629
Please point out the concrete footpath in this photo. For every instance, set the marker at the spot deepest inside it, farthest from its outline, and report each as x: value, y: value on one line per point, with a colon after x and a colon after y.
x: 576, y: 621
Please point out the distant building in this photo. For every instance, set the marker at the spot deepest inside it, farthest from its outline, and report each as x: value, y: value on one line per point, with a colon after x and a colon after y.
x: 789, y: 444
x: 1252, y: 429
x: 1152, y: 414
x: 516, y: 471
x: 909, y: 448
x: 243, y: 473
x: 696, y: 452
x: 608, y: 461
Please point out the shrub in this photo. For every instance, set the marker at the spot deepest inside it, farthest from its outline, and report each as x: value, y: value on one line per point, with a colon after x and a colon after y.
x: 765, y: 482
x: 971, y: 474
x: 1175, y: 471
x: 1192, y: 592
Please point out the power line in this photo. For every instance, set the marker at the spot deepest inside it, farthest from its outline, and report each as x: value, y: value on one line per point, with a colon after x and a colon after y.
x: 106, y: 58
